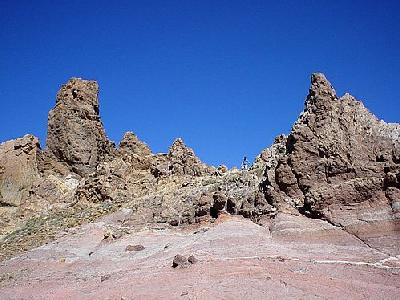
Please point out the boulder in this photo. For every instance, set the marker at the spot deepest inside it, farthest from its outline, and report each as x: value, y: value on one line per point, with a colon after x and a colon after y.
x: 130, y: 248
x: 180, y: 261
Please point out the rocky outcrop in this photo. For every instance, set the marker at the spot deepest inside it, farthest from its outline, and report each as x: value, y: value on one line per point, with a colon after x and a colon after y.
x: 75, y: 132
x: 135, y: 152
x: 180, y: 160
x: 337, y: 152
x: 130, y: 144
x: 339, y: 163
x: 183, y: 161
x: 18, y: 169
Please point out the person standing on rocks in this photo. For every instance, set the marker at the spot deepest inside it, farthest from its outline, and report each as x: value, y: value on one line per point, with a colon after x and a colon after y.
x: 245, y: 164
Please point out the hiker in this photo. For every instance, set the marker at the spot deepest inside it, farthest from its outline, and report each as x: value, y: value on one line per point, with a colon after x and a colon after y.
x: 245, y: 164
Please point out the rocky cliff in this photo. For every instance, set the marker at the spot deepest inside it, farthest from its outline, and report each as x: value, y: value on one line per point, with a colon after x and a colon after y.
x: 339, y: 163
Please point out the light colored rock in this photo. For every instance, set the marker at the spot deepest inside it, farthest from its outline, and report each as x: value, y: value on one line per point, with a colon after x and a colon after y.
x: 237, y: 259
x: 18, y: 169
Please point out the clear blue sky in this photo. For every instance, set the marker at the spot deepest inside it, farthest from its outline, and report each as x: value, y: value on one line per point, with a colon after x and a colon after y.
x: 226, y: 76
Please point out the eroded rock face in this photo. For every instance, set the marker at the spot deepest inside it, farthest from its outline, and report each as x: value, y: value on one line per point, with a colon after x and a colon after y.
x: 75, y: 132
x: 340, y: 161
x: 132, y: 145
x: 18, y: 169
x: 183, y: 161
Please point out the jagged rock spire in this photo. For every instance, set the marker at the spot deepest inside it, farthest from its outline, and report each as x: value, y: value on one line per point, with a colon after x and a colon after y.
x: 130, y: 143
x: 184, y: 161
x: 336, y: 155
x: 320, y: 95
x: 178, y: 148
x: 75, y: 132
x: 321, y: 87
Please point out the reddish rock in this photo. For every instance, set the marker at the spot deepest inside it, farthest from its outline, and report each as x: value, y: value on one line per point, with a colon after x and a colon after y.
x: 134, y: 248
x: 339, y: 166
x: 75, y: 132
x: 180, y: 261
x: 336, y: 162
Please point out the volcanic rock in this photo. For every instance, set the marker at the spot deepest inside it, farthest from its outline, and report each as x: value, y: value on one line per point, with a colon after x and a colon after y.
x: 75, y: 132
x: 336, y: 152
x: 335, y: 161
x: 327, y: 197
x: 183, y: 161
x: 131, y: 144
x: 192, y: 259
x: 339, y: 164
x: 134, y: 248
x: 180, y: 261
x: 18, y: 169
x: 105, y: 277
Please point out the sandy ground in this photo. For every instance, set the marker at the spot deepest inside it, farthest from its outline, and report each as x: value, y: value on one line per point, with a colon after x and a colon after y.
x: 294, y: 258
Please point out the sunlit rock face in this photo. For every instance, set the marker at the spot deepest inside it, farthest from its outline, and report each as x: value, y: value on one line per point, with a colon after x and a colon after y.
x: 75, y: 132
x: 18, y: 169
x: 334, y: 181
x: 341, y: 164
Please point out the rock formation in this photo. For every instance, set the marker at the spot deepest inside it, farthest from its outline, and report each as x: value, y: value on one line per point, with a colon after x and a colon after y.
x: 339, y: 163
x: 18, y: 169
x: 75, y: 133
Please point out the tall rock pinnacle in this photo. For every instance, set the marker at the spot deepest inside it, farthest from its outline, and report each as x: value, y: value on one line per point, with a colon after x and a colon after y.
x: 184, y: 161
x: 75, y: 132
x: 338, y: 154
x: 321, y: 87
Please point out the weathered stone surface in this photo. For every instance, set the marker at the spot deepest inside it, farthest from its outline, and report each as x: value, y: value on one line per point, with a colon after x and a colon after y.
x: 135, y: 152
x: 192, y: 259
x: 18, y: 169
x: 26, y: 189
x: 180, y: 261
x: 339, y: 163
x: 179, y: 161
x: 131, y: 144
x: 134, y: 248
x: 237, y: 259
x: 337, y: 152
x: 75, y: 132
x: 183, y: 161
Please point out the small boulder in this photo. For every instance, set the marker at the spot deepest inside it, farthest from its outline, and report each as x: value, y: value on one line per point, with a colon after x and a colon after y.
x: 174, y: 223
x: 220, y: 200
x: 134, y: 248
x: 111, y: 235
x: 192, y: 259
x: 180, y: 261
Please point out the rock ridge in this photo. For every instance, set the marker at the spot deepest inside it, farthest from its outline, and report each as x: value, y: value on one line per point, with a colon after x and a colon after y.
x: 339, y: 163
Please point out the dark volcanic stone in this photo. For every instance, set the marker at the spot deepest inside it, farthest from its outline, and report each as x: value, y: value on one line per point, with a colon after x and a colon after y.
x: 192, y: 259
x: 75, y: 132
x: 180, y: 261
x: 134, y: 248
x: 337, y: 156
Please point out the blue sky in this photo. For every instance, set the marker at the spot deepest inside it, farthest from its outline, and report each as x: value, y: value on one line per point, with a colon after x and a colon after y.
x: 226, y: 76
